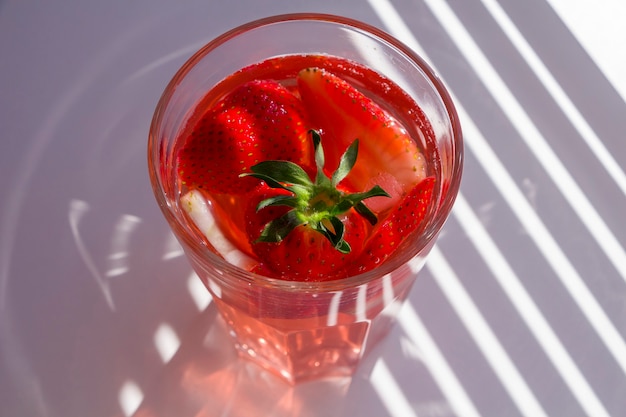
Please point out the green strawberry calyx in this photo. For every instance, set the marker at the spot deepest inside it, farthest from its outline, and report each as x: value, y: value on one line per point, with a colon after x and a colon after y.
x: 315, y: 204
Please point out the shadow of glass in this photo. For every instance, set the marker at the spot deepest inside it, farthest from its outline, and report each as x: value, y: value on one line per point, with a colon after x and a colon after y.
x: 207, y: 378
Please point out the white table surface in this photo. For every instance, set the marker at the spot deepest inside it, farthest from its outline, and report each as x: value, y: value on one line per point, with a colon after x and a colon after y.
x: 521, y: 310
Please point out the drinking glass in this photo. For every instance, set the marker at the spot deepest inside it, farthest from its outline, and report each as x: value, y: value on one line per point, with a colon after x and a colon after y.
x: 306, y: 330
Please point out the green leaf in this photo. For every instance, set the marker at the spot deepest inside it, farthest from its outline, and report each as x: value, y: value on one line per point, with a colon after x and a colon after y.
x: 318, y: 149
x: 343, y: 206
x: 343, y: 247
x: 366, y: 213
x: 335, y: 235
x: 375, y: 191
x: 279, y: 200
x: 276, y: 230
x: 338, y: 228
x: 285, y: 172
x: 271, y: 182
x: 356, y: 200
x: 339, y: 242
x: 320, y: 161
x: 348, y: 159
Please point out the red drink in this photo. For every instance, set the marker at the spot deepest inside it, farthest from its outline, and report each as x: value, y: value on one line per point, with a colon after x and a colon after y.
x: 296, y: 304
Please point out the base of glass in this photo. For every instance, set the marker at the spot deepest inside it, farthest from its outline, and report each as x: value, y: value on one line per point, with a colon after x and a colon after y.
x: 300, y: 350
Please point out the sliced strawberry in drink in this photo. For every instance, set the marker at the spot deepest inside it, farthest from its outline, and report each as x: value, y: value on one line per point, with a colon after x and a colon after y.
x: 344, y: 114
x: 257, y: 121
x: 287, y: 209
x: 404, y: 219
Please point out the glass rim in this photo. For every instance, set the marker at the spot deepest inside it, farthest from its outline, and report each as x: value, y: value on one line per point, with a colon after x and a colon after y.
x: 427, y: 234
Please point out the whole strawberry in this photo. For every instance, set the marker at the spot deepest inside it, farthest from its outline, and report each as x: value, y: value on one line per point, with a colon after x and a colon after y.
x: 257, y: 121
x: 303, y: 254
x: 308, y: 230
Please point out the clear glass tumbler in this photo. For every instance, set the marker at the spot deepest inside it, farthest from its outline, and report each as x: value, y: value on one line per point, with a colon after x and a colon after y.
x: 306, y: 330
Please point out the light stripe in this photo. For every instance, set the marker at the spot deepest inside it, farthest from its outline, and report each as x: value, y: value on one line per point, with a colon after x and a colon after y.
x: 361, y: 303
x: 173, y: 249
x: 77, y: 210
x: 598, y: 26
x: 518, y: 390
x: 483, y: 336
x: 389, y: 392
x: 568, y: 275
x: 130, y: 397
x: 538, y: 232
x: 527, y: 309
x: 562, y: 99
x: 166, y: 342
x: 198, y: 292
x: 436, y: 363
x: 388, y: 292
x: 333, y: 309
x: 520, y: 206
x: 118, y: 258
x: 395, y: 24
x: 531, y: 135
x: 114, y: 272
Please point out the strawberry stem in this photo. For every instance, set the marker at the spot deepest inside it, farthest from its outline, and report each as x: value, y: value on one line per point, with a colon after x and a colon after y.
x: 315, y: 204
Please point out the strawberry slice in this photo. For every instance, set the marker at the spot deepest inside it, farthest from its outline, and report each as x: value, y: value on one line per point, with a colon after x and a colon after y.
x: 345, y: 114
x: 401, y: 221
x: 257, y: 121
x: 304, y: 229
